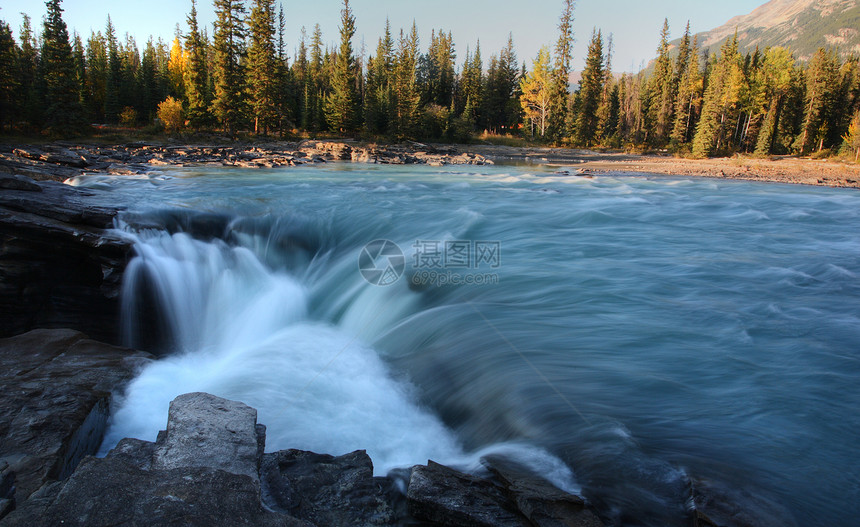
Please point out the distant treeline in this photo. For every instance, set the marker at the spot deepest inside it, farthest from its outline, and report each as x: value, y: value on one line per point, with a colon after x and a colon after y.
x: 241, y: 78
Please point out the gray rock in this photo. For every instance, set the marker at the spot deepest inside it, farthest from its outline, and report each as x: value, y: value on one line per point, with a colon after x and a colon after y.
x: 328, y: 490
x: 540, y: 501
x: 57, y: 386
x: 109, y: 492
x: 444, y: 496
x: 16, y: 182
x: 60, y: 265
x: 208, y: 431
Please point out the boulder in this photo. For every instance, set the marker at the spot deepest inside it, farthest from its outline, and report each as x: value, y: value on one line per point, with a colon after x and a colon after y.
x: 57, y: 387
x: 328, y: 490
x: 444, y: 496
x: 207, y: 431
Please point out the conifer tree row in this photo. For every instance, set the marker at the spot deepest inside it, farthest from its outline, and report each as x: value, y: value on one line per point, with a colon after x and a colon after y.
x: 241, y: 79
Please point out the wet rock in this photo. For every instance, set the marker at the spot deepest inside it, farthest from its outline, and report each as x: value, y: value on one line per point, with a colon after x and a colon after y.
x: 203, y: 469
x: 715, y: 505
x: 539, y: 500
x: 57, y: 387
x: 444, y: 496
x: 328, y: 490
x: 61, y: 267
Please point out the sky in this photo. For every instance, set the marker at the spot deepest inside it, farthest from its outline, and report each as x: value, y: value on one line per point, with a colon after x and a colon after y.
x: 634, y: 24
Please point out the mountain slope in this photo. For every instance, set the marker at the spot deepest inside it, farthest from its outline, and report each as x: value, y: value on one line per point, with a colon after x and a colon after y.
x: 800, y: 25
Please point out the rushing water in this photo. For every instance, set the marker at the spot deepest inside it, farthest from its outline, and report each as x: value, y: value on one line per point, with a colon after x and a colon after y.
x: 645, y: 333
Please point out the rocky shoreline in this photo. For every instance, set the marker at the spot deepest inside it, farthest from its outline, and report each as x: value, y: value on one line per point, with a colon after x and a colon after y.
x: 63, y: 160
x: 60, y: 161
x: 208, y: 467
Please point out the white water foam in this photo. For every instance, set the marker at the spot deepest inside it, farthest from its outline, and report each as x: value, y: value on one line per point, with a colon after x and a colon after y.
x: 243, y: 334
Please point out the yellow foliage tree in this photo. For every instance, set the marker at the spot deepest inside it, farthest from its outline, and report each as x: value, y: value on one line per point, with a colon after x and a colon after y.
x: 536, y: 89
x: 852, y: 138
x: 176, y: 66
x: 170, y: 113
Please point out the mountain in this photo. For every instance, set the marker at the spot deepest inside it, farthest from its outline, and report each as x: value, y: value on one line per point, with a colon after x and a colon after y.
x: 800, y: 25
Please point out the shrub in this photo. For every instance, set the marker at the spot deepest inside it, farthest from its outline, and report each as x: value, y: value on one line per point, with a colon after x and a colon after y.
x: 170, y: 113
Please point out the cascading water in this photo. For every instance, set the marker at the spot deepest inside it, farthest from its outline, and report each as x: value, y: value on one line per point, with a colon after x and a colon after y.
x: 241, y: 331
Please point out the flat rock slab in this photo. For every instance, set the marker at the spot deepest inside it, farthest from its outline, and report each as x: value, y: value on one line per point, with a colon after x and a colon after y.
x: 57, y: 387
x: 208, y: 431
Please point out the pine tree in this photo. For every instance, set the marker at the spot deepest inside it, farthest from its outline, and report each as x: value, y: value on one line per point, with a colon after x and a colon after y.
x: 377, y: 106
x: 114, y: 75
x: 196, y: 74
x: 80, y: 59
x: 317, y: 82
x: 721, y: 100
x: 8, y: 81
x: 64, y: 114
x: 689, y: 98
x: 150, y: 83
x: 286, y: 96
x: 471, y: 91
x: 341, y: 103
x: 406, y: 98
x: 97, y: 66
x: 29, y: 96
x: 661, y: 88
x: 536, y: 87
x: 229, y: 44
x: 262, y: 66
x: 821, y: 79
x: 778, y: 76
x: 502, y: 110
x: 561, y: 72
x: 590, y: 88
x: 301, y: 78
x: 607, y: 111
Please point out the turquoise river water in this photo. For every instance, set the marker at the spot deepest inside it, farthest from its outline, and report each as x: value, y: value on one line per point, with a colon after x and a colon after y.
x: 632, y: 338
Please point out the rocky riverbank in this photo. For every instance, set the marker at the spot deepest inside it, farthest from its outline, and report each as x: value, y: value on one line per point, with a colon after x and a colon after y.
x: 61, y: 266
x: 61, y: 161
x: 776, y: 169
x: 209, y: 468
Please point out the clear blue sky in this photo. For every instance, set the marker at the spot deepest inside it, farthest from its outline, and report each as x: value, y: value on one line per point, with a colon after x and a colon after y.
x: 634, y: 24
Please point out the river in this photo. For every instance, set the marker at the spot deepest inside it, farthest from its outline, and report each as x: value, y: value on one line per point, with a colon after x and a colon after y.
x: 629, y: 337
